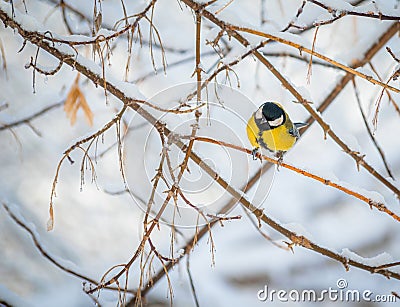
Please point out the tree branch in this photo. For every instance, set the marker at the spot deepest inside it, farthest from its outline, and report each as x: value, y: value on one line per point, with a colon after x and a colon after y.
x: 238, y: 196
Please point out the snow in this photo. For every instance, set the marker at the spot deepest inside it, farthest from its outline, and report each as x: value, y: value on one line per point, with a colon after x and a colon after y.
x: 373, y: 195
x: 366, y: 71
x: 294, y: 38
x: 323, y: 18
x: 299, y: 230
x: 385, y: 7
x: 28, y: 22
x: 305, y: 93
x: 378, y: 260
x: 364, y: 43
x: 339, y: 5
x: 130, y: 89
x: 11, y: 298
x: 211, y: 33
x: 95, y: 230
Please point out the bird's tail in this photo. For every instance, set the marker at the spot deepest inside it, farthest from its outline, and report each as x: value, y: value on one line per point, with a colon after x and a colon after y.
x: 300, y: 125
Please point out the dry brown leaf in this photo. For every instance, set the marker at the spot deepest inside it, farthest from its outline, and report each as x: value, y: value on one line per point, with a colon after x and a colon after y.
x: 86, y: 110
x: 75, y: 100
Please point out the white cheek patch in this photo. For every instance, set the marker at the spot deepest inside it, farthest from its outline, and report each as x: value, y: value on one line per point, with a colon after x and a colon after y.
x: 259, y: 114
x: 277, y: 122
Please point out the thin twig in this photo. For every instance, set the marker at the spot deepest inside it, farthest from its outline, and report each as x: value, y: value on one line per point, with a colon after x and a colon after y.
x: 171, y: 65
x: 4, y: 303
x: 372, y: 203
x: 396, y: 107
x: 374, y: 141
x: 392, y: 54
x: 309, y: 71
x: 196, y: 300
x: 359, y: 159
x: 45, y: 254
x: 296, y: 239
x: 388, y: 265
x: 51, y: 72
x: 369, y: 54
x: 311, y: 52
x: 78, y: 144
x: 375, y: 15
x: 225, y: 66
x: 29, y: 118
x: 297, y: 57
x: 378, y: 102
x: 262, y: 233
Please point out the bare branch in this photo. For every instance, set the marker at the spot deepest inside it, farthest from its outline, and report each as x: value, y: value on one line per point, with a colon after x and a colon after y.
x: 46, y: 43
x: 311, y: 52
x: 333, y: 11
x: 381, y: 153
x: 27, y: 120
x: 359, y: 159
x: 323, y: 106
x: 45, y: 254
x: 196, y: 300
x: 372, y: 203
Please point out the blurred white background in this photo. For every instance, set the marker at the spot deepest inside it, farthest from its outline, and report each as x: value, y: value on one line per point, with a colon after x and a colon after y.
x: 95, y: 230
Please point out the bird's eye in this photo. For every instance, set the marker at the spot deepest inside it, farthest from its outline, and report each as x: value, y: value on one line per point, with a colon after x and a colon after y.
x: 276, y: 122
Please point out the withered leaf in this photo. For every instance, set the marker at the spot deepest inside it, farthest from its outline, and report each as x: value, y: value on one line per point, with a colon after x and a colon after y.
x: 76, y: 100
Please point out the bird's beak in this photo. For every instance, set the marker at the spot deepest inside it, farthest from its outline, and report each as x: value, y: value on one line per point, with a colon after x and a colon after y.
x: 263, y: 120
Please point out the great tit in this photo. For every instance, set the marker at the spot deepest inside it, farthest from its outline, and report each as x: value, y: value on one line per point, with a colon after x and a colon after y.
x: 271, y: 128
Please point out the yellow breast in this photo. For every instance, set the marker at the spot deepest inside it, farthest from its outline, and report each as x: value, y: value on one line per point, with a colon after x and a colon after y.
x: 277, y: 139
x: 252, y: 132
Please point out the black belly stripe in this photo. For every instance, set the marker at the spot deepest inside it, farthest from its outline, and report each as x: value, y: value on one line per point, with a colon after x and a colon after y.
x: 261, y: 141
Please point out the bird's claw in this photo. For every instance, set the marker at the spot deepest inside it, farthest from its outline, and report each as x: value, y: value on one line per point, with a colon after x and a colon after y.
x: 256, y: 154
x: 279, y: 155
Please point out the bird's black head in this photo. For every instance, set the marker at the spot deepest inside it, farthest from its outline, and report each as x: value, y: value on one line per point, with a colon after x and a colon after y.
x: 272, y: 111
x: 270, y: 114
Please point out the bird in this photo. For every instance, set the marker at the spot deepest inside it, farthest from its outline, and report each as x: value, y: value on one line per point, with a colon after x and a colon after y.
x: 270, y: 127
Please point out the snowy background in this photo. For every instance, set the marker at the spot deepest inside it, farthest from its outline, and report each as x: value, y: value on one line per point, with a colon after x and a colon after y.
x: 95, y: 230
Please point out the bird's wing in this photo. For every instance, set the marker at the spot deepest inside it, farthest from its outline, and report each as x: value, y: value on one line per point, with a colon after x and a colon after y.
x: 294, y: 132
